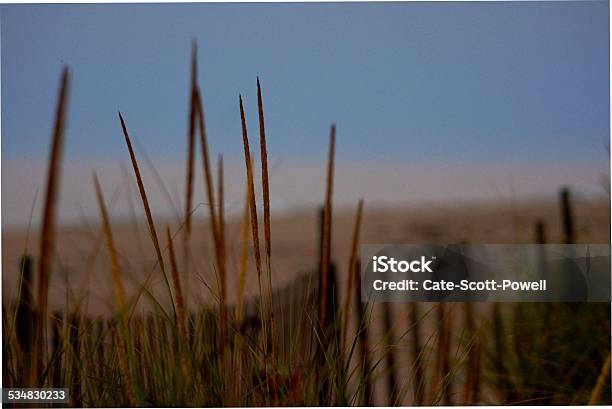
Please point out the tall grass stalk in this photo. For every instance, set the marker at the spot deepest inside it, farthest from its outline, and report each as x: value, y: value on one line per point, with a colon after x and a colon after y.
x: 47, y: 233
x: 178, y: 291
x: 180, y: 309
x: 121, y: 340
x: 390, y: 356
x: 264, y: 174
x: 567, y: 216
x: 442, y: 382
x: 266, y: 207
x: 252, y: 202
x: 208, y: 183
x: 222, y: 264
x: 57, y: 322
x: 76, y: 390
x: 110, y: 246
x: 25, y: 314
x: 417, y: 355
x: 472, y: 382
x: 147, y: 209
x: 365, y: 382
x: 326, y: 339
x: 243, y: 256
x: 241, y: 278
x: 351, y: 275
x: 119, y: 291
x: 254, y: 231
x: 189, y: 172
x: 326, y: 236
x: 499, y: 351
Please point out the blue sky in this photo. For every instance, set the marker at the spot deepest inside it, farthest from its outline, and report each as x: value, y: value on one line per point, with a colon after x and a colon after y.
x: 437, y: 81
x: 484, y: 84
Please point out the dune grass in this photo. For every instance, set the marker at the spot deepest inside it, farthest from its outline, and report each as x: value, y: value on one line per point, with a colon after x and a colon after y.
x: 289, y: 346
x: 48, y: 229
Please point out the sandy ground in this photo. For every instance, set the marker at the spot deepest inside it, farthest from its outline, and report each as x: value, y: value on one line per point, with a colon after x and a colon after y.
x: 82, y: 266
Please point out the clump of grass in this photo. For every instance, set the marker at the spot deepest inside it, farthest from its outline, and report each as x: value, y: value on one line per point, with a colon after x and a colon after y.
x: 542, y: 369
x: 204, y: 356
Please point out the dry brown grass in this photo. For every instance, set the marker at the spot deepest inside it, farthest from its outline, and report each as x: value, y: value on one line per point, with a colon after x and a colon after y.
x: 181, y: 318
x: 47, y: 233
x: 110, y: 246
x: 189, y: 172
x: 351, y: 274
x: 601, y: 382
x: 264, y: 175
x: 147, y: 209
x: 266, y: 207
x: 250, y: 181
x: 243, y: 256
x: 119, y: 293
x: 208, y: 181
x: 222, y: 261
x: 326, y: 237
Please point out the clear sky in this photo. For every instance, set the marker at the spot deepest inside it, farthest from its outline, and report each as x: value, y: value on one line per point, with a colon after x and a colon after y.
x: 509, y: 83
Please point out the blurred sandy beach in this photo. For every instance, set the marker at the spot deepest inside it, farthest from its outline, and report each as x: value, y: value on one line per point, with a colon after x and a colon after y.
x: 82, y: 265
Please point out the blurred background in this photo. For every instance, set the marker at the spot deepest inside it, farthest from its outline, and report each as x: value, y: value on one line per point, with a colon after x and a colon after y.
x: 465, y: 102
